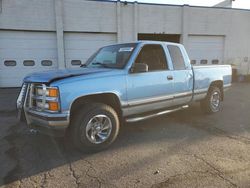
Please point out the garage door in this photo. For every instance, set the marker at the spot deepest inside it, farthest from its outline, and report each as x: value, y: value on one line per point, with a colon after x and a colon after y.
x: 205, y: 50
x: 80, y: 46
x: 22, y: 53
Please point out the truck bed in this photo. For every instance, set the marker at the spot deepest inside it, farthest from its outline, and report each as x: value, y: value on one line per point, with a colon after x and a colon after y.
x: 205, y: 75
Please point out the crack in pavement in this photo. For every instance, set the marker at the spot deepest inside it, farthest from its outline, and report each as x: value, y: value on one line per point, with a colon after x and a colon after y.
x: 233, y: 136
x: 71, y: 169
x: 73, y: 174
x: 215, y: 172
x: 98, y: 179
x: 93, y: 177
x: 44, y: 181
x: 87, y: 173
x: 218, y: 172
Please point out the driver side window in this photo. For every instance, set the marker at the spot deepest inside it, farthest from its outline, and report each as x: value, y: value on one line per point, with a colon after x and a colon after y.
x: 154, y: 56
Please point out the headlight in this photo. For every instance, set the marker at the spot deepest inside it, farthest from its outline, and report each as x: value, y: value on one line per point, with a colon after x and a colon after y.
x: 41, y: 105
x: 48, y: 105
x: 50, y: 92
x: 45, y: 98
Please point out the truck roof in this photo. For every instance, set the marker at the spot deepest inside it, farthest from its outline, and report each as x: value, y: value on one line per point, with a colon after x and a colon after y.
x: 155, y: 42
x: 148, y: 42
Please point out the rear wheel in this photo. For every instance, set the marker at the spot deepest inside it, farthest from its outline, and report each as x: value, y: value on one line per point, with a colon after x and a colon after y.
x: 94, y: 127
x: 212, y: 102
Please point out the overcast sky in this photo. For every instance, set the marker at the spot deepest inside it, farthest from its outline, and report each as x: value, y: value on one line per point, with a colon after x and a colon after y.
x: 236, y: 4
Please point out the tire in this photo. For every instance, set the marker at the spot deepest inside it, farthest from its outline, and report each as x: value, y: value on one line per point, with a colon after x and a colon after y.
x: 86, y: 130
x: 212, y: 102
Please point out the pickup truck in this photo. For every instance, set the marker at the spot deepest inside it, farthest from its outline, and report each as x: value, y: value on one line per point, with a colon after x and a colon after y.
x: 119, y: 83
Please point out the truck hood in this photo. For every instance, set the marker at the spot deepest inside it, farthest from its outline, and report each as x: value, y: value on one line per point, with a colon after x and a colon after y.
x: 53, y: 75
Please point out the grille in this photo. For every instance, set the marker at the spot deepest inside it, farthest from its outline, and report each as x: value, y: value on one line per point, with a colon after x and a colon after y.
x: 37, y: 97
x: 31, y: 96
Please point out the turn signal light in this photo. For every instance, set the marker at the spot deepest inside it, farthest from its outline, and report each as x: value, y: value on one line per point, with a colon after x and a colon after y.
x: 53, y: 92
x: 53, y: 106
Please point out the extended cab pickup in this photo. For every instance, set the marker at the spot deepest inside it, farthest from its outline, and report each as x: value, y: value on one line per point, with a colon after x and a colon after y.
x: 123, y: 82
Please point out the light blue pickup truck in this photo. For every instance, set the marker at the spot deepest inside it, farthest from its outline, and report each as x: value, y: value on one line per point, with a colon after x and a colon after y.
x: 123, y: 82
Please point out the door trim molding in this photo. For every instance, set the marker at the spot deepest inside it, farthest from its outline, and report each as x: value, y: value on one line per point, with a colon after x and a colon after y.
x: 138, y: 102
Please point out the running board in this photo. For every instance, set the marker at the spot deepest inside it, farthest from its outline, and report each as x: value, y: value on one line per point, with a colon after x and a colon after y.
x: 140, y: 118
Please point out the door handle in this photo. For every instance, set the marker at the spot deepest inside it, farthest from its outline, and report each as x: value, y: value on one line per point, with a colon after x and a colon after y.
x: 170, y: 77
x: 190, y: 76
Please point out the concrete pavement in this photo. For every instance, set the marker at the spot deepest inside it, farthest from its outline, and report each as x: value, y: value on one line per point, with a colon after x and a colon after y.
x: 184, y: 149
x: 8, y: 98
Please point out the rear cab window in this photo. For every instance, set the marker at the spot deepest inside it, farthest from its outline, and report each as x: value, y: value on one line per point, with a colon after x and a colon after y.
x: 176, y: 57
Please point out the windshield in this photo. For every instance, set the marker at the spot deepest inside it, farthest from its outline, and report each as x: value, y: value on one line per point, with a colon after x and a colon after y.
x: 115, y: 56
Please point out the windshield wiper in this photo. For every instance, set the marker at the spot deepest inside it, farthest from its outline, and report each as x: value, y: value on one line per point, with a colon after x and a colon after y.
x: 102, y: 64
x: 83, y: 65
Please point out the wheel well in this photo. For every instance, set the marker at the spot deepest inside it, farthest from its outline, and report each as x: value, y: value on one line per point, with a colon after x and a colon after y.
x: 105, y: 98
x: 218, y: 84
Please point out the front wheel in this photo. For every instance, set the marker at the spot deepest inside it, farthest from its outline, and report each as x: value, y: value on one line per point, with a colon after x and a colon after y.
x: 212, y: 102
x: 94, y: 127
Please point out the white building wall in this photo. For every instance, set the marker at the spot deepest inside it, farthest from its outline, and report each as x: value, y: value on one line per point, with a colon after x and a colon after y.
x: 160, y: 19
x: 209, y: 21
x: 126, y: 20
x: 89, y: 16
x: 238, y: 35
x: 27, y: 15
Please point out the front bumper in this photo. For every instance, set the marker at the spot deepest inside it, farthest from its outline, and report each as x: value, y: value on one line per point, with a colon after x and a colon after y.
x: 48, y: 123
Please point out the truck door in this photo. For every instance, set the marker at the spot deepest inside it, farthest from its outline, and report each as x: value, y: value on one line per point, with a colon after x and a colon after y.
x: 152, y: 90
x: 182, y: 76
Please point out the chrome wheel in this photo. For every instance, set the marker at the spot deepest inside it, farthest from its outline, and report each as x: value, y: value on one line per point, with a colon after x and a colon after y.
x: 215, y: 100
x: 98, y: 129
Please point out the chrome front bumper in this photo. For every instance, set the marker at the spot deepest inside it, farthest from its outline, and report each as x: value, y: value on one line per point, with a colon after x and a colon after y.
x: 55, y: 121
x: 46, y: 123
x: 49, y: 124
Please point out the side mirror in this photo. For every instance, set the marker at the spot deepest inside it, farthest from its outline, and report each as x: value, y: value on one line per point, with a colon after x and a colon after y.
x: 139, y: 67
